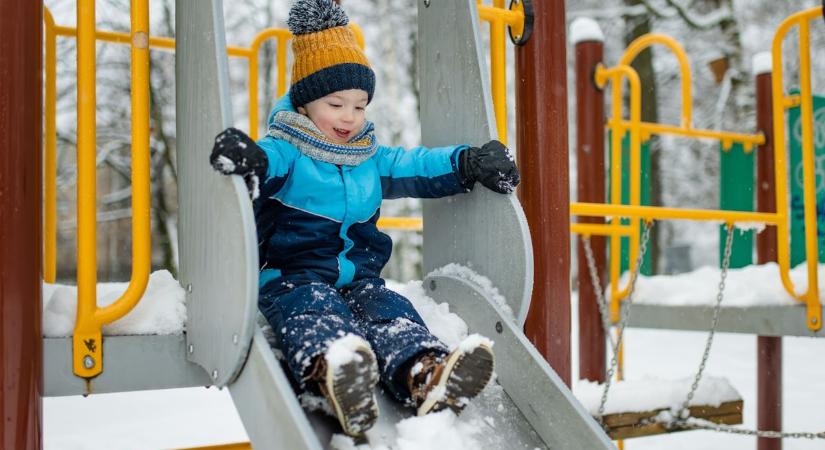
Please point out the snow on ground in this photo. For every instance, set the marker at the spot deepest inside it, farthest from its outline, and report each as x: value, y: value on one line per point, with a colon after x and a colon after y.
x: 198, y: 417
x: 748, y: 286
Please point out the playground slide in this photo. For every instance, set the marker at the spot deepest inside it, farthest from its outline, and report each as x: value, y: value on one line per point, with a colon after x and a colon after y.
x: 482, y: 230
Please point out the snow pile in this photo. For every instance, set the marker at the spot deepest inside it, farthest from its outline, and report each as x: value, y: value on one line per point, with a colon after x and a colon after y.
x: 162, y: 310
x: 755, y: 285
x: 585, y: 29
x: 445, y: 325
x: 437, y: 430
x: 465, y: 273
x: 650, y: 394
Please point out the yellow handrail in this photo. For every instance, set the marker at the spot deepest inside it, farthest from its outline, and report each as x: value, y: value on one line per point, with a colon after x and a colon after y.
x: 639, y: 132
x: 497, y: 16
x: 87, y: 337
x: 811, y: 296
x: 50, y: 157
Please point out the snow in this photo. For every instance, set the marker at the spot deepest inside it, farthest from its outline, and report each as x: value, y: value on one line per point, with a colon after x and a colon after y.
x: 161, y: 311
x: 474, y: 341
x: 756, y: 285
x: 465, y: 273
x: 585, y: 29
x: 344, y: 350
x: 762, y: 63
x: 651, y: 393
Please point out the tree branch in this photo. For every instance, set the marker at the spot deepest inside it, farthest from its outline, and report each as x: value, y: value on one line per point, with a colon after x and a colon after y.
x: 717, y: 18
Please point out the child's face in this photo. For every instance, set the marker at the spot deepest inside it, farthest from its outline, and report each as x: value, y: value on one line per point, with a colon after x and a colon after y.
x: 339, y: 115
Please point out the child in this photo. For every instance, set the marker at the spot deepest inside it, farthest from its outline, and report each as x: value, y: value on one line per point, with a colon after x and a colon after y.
x: 318, y: 179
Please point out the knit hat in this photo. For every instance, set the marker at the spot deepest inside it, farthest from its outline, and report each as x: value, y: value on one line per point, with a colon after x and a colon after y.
x: 327, y: 56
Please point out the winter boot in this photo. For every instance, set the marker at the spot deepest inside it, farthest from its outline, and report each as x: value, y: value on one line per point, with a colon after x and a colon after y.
x: 450, y: 382
x: 346, y: 375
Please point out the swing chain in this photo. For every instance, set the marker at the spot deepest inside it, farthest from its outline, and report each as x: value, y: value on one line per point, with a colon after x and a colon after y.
x: 595, y: 280
x: 614, y: 360
x: 699, y: 424
x: 684, y: 413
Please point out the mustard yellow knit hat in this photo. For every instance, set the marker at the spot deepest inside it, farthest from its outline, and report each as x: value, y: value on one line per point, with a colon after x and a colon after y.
x: 327, y: 56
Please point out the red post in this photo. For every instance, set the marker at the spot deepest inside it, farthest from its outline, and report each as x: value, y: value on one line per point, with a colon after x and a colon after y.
x: 21, y: 347
x: 769, y: 349
x: 541, y: 109
x: 590, y: 187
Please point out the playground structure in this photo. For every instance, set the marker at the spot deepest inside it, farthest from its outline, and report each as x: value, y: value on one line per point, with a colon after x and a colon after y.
x: 238, y: 356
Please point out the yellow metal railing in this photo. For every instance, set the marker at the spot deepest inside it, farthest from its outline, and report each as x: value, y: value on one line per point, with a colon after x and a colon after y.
x: 87, y: 337
x: 641, y: 131
x: 805, y: 97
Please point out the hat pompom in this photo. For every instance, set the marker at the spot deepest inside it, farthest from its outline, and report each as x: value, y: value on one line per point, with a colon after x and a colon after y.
x: 312, y: 16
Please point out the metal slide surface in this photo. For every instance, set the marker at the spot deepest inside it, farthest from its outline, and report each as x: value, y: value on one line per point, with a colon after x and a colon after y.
x: 529, y: 407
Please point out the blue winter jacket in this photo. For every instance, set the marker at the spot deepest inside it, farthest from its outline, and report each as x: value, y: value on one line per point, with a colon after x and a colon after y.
x: 319, y: 219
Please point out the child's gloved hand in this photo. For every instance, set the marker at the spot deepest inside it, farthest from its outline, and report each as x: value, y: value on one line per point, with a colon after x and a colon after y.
x: 491, y: 165
x: 235, y: 153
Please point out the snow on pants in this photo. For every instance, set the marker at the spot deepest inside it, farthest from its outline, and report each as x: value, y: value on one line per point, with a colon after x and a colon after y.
x: 307, y: 315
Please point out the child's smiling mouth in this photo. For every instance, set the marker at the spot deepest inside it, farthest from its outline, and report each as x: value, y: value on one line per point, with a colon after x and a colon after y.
x: 341, y: 133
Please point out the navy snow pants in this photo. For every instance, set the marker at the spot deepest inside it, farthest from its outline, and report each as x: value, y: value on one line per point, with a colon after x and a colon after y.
x: 308, y: 314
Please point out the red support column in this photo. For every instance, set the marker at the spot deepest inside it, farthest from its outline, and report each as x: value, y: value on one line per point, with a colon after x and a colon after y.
x: 21, y: 347
x: 541, y: 111
x: 590, y: 187
x: 768, y: 349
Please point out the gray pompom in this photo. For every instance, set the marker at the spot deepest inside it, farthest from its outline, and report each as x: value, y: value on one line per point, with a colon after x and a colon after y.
x: 312, y: 16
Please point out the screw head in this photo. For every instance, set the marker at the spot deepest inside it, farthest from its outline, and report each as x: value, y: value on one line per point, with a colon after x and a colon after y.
x: 426, y: 3
x: 191, y: 348
x: 88, y: 362
x: 189, y: 288
x: 499, y: 327
x: 432, y: 285
x: 814, y: 320
x: 215, y: 374
x: 235, y: 339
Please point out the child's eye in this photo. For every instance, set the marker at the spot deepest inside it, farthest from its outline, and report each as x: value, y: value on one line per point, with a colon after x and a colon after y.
x: 360, y: 108
x: 334, y: 105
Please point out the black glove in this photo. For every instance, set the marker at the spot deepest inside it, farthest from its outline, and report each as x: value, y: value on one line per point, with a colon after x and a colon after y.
x: 235, y: 153
x: 491, y: 165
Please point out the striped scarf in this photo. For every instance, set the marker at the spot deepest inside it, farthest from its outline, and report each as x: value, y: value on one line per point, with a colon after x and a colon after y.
x: 300, y: 131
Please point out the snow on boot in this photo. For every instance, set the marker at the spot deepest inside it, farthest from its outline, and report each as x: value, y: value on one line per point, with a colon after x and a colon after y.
x: 350, y: 374
x: 451, y: 383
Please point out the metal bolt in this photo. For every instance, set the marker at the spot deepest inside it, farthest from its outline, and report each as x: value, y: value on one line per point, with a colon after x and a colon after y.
x: 814, y: 320
x: 426, y: 3
x: 432, y: 285
x: 215, y: 374
x: 235, y: 338
x: 191, y: 348
x: 88, y: 362
x: 499, y: 327
x: 189, y: 288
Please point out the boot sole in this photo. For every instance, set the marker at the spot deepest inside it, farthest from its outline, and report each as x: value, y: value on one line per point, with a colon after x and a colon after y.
x: 352, y: 392
x: 465, y: 375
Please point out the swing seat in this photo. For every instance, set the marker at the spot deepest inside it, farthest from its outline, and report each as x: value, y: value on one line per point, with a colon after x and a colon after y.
x: 646, y: 407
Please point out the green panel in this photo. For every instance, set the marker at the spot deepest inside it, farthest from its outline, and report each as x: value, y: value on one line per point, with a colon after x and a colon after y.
x: 736, y: 193
x: 645, y: 194
x: 797, y: 205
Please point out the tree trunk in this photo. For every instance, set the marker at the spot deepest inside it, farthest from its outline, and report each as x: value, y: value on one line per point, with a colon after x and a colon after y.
x: 635, y: 26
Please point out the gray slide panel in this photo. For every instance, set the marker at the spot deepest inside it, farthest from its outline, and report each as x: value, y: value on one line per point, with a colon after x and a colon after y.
x: 761, y: 320
x: 482, y: 230
x: 218, y: 244
x: 543, y: 398
x: 267, y: 405
x: 131, y: 363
